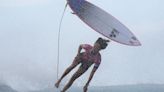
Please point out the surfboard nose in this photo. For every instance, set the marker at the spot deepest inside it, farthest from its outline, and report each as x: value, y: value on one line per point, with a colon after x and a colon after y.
x: 135, y: 43
x: 139, y: 43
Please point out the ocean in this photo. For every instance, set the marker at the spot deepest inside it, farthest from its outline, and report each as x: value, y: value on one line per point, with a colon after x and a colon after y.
x: 123, y: 88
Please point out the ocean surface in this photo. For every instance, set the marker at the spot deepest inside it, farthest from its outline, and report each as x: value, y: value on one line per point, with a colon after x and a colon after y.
x: 123, y: 88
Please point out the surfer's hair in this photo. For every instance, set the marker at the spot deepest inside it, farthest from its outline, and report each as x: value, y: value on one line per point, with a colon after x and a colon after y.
x: 103, y: 43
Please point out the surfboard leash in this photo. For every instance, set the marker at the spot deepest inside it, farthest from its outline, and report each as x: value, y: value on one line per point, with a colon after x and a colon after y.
x: 59, y: 38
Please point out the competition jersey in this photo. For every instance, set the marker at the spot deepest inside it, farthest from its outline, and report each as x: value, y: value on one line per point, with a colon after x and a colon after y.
x: 89, y: 57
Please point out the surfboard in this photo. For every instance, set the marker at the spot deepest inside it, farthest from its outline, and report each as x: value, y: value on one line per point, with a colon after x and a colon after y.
x: 103, y: 22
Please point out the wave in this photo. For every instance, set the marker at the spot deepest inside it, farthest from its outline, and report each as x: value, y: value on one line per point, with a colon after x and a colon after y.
x: 122, y: 88
x: 6, y: 88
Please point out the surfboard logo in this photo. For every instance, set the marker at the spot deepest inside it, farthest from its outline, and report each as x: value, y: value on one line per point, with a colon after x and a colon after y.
x: 114, y: 33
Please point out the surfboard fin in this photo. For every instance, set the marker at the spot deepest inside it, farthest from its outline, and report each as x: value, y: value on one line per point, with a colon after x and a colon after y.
x: 73, y: 13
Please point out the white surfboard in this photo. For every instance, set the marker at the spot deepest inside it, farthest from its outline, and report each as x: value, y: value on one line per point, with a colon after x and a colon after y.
x: 103, y: 22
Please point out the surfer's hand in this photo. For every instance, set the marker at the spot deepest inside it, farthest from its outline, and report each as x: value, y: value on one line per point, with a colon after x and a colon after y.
x: 85, y: 88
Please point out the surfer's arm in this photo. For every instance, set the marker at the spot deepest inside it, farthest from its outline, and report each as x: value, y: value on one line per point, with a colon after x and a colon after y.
x: 79, y: 50
x: 96, y: 66
x: 90, y: 77
x: 84, y: 46
x: 89, y: 80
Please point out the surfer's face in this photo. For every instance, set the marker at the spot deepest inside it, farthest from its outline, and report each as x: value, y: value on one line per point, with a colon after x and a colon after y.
x: 101, y: 44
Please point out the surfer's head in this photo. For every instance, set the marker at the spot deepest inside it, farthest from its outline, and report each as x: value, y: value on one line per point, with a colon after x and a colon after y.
x: 103, y: 43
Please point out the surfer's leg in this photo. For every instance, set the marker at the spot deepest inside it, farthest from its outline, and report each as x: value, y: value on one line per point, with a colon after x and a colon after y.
x: 72, y: 66
x: 76, y: 75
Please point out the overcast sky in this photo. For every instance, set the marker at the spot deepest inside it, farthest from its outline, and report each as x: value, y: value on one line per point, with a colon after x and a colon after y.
x: 28, y: 37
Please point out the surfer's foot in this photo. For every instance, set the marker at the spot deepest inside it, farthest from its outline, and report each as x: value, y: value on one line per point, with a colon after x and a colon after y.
x: 57, y: 84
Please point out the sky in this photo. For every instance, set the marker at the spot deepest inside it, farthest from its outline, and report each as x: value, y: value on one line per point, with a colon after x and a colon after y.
x: 28, y: 37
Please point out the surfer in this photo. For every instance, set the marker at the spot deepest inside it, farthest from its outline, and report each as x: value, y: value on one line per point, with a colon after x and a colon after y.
x: 90, y: 56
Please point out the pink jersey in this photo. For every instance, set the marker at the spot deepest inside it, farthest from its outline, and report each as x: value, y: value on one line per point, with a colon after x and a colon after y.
x: 88, y: 56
